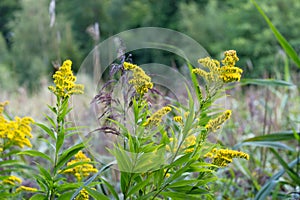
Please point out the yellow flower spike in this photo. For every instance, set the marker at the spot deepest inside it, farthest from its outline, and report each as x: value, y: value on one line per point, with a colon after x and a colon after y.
x: 215, y: 124
x: 64, y: 81
x: 12, y: 180
x: 81, y: 171
x: 200, y: 72
x: 156, y: 118
x: 141, y: 81
x: 26, y: 189
x: 223, y: 157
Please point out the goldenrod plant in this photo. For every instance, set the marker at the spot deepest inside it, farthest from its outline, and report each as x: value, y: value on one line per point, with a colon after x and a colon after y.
x: 162, y: 151
x: 15, y: 137
x: 55, y: 168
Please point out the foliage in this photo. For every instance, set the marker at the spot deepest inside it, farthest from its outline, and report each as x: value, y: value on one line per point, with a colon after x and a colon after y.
x: 236, y: 23
x: 208, y: 22
x: 7, y: 9
x: 156, y: 158
x: 36, y: 44
x: 166, y: 158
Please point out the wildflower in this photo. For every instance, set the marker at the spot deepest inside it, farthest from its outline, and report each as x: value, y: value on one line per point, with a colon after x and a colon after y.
x: 215, y: 124
x: 188, y: 144
x: 26, y: 189
x: 12, y: 180
x: 226, y: 73
x: 81, y: 170
x: 83, y: 195
x: 178, y: 119
x: 141, y: 81
x: 223, y: 157
x: 15, y: 132
x: 156, y: 118
x: 64, y: 81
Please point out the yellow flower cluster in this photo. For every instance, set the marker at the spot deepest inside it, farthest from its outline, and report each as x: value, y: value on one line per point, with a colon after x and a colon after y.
x: 156, y: 118
x: 83, y: 195
x: 178, y: 119
x: 12, y: 180
x: 141, y: 81
x: 83, y: 170
x: 187, y: 145
x: 64, y: 81
x: 15, y: 132
x: 223, y: 157
x: 26, y: 189
x: 227, y: 73
x: 215, y: 124
x: 230, y: 73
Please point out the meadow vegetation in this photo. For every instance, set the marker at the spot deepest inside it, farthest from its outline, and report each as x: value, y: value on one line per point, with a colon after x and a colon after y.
x: 143, y: 143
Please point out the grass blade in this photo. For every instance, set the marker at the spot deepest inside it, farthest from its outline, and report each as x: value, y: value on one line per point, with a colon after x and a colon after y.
x: 288, y: 135
x: 267, y: 188
x: 270, y: 144
x: 266, y: 82
x: 283, y: 42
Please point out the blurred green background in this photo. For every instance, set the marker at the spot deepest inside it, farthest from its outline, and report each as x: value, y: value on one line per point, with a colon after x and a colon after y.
x: 29, y: 45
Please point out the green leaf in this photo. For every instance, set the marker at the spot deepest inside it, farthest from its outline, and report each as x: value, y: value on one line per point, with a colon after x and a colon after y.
x: 271, y: 183
x: 181, y: 183
x: 95, y: 194
x: 67, y: 154
x: 124, y: 179
x: 266, y: 144
x: 47, y: 130
x: 6, y: 163
x: 110, y: 188
x: 47, y: 176
x: 178, y: 195
x: 179, y: 161
x: 38, y: 197
x: 53, y: 109
x: 266, y: 190
x: 60, y: 140
x: 266, y: 82
x: 190, y: 117
x: 288, y: 135
x: 293, y: 175
x: 66, y: 195
x: 195, y: 83
x: 36, y: 154
x: 138, y: 186
x: 68, y: 186
x: 10, y: 153
x: 50, y: 120
x: 283, y: 42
